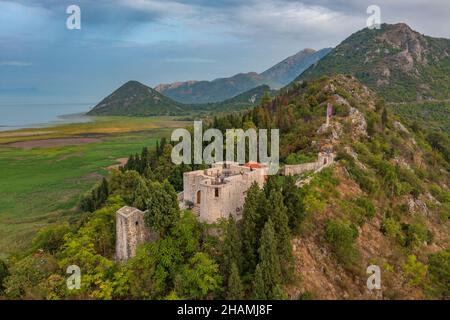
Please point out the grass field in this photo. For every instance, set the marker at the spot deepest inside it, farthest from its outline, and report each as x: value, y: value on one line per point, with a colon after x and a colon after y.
x: 42, y: 185
x: 101, y: 125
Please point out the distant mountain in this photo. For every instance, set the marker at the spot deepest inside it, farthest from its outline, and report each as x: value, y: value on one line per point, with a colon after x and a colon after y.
x: 136, y: 99
x: 290, y: 68
x: 397, y: 62
x: 194, y: 92
x: 211, y: 91
x: 245, y: 100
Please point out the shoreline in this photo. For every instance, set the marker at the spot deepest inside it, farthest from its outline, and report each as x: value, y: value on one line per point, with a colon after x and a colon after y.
x: 71, y: 118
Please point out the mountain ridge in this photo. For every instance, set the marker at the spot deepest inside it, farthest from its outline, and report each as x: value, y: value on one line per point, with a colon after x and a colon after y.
x: 397, y: 62
x: 220, y: 89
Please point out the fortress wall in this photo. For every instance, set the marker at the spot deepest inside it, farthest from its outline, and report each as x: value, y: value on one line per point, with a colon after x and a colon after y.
x: 323, y: 160
x: 290, y: 170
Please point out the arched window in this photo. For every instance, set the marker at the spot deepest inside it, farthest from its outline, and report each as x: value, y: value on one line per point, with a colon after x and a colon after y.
x: 199, y: 197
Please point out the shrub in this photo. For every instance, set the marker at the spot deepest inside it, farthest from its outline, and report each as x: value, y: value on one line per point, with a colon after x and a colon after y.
x: 367, y: 206
x: 3, y: 274
x: 51, y: 238
x: 416, y: 234
x: 439, y: 273
x: 392, y: 228
x: 341, y: 236
x: 415, y: 271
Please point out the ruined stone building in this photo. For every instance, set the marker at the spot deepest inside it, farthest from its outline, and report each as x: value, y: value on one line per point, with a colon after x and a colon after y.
x: 220, y: 191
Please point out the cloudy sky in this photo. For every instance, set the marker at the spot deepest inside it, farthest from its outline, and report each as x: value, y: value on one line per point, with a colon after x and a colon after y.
x: 160, y: 41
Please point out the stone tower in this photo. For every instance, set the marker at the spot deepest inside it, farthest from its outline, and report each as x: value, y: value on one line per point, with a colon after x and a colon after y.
x: 130, y: 232
x: 329, y: 114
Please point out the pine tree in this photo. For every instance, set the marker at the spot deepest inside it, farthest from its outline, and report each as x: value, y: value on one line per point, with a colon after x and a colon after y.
x: 250, y: 229
x: 232, y: 248
x: 235, y: 289
x: 279, y: 217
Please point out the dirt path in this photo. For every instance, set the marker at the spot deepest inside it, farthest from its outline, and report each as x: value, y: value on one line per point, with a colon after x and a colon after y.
x: 122, y: 162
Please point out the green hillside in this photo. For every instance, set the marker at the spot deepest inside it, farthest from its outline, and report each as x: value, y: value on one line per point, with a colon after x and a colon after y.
x: 398, y: 63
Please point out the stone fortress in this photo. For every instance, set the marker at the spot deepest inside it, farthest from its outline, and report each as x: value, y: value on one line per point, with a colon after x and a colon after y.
x: 214, y: 193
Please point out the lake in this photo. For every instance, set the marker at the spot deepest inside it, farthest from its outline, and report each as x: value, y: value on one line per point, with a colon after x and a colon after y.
x: 14, y: 117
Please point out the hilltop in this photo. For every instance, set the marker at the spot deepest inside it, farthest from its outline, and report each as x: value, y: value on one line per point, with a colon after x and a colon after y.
x: 136, y: 99
x: 397, y: 62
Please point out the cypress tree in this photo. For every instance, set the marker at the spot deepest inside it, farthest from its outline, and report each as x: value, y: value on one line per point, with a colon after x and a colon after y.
x: 137, y: 163
x: 250, y: 230
x: 104, y: 192
x: 263, y: 212
x: 384, y: 118
x: 279, y: 217
x: 294, y: 204
x: 232, y: 248
x: 162, y: 145
x: 130, y: 163
x: 235, y: 289
x: 259, y: 288
x: 145, y: 160
x: 271, y: 186
x: 269, y: 265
